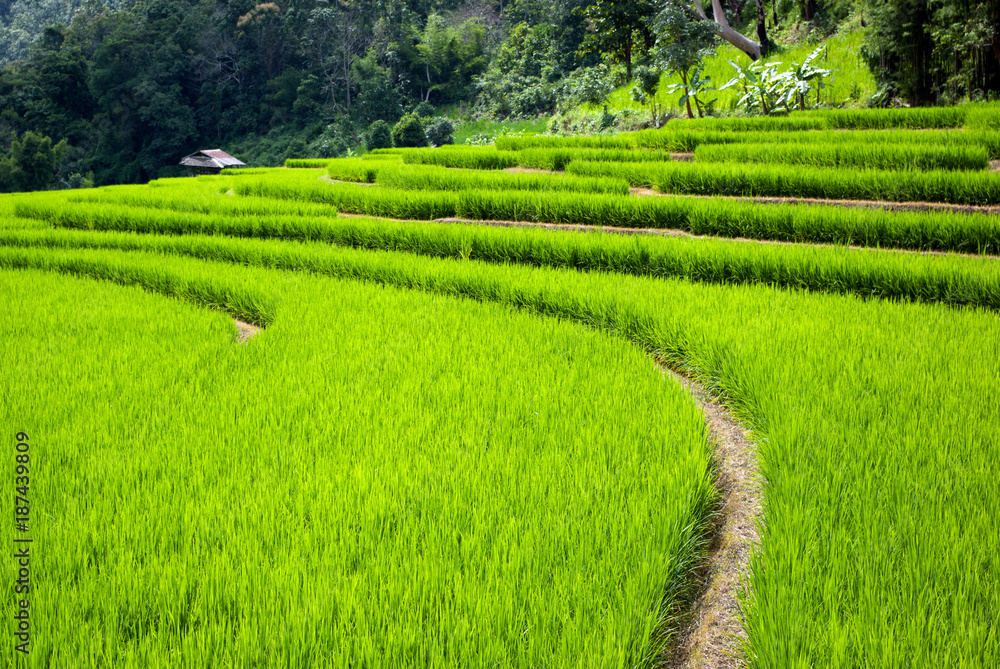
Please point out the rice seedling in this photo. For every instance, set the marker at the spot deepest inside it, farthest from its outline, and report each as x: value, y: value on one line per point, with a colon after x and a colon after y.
x: 492, y: 531
x: 873, y: 475
x: 358, y: 199
x: 687, y: 141
x: 384, y: 154
x: 475, y: 158
x: 973, y: 188
x: 354, y: 169
x: 983, y: 118
x: 247, y: 171
x: 942, y: 231
x: 750, y: 123
x: 488, y: 158
x: 349, y: 486
x: 432, y: 177
x: 281, y: 200
x: 855, y: 155
x: 307, y: 162
x: 879, y: 119
x: 951, y: 280
x: 820, y: 119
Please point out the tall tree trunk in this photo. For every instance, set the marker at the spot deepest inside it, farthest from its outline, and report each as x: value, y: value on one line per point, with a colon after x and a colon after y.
x: 722, y: 29
x: 347, y: 75
x: 765, y: 44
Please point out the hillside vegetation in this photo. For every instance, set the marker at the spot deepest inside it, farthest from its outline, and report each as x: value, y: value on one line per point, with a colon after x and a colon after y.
x: 103, y: 91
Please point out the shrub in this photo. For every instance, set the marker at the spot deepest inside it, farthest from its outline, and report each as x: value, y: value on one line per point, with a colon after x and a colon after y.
x: 409, y: 132
x: 587, y: 85
x: 379, y: 136
x: 440, y: 131
x: 424, y: 109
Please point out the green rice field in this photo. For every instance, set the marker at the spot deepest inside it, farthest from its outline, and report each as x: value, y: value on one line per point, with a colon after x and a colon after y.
x: 452, y: 441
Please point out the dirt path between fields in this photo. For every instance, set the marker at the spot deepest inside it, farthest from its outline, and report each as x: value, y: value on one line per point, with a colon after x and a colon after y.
x: 662, y: 232
x: 847, y: 204
x: 245, y: 331
x: 714, y: 633
x: 330, y: 180
x: 636, y: 191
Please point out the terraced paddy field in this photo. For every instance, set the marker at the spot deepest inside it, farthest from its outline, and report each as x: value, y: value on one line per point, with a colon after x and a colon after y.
x: 453, y: 442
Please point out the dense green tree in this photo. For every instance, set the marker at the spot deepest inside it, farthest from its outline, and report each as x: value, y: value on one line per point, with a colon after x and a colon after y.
x: 566, y: 28
x: 336, y: 37
x: 620, y: 30
x: 283, y: 95
x: 440, y: 131
x: 647, y: 83
x: 31, y: 163
x: 521, y: 80
x: 380, y: 96
x: 681, y: 45
x: 447, y: 59
x: 379, y: 136
x: 926, y: 51
x: 409, y: 132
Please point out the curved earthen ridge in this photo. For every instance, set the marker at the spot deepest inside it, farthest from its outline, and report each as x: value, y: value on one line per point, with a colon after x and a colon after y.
x: 713, y: 634
x: 246, y: 331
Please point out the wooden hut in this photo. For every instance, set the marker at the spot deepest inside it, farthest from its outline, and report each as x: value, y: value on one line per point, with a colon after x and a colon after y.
x: 209, y: 161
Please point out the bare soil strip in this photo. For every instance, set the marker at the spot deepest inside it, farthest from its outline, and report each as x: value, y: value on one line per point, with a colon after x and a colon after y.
x: 246, y: 331
x: 330, y: 180
x: 848, y: 204
x: 712, y: 637
x: 528, y: 170
x: 570, y: 227
x: 663, y: 232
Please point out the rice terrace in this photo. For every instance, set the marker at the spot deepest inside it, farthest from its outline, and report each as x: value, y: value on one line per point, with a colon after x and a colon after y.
x: 719, y: 394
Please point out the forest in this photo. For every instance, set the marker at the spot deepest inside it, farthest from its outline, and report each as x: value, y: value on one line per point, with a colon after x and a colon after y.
x: 99, y: 92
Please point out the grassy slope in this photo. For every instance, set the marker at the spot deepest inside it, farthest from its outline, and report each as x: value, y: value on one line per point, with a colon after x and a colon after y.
x: 850, y: 83
x: 465, y: 130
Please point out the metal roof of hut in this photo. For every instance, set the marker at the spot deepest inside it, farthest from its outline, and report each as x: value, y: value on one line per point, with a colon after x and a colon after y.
x: 211, y: 159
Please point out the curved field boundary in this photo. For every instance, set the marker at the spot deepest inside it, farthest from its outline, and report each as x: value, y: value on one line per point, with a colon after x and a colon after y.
x: 712, y: 630
x: 246, y: 331
x: 713, y: 636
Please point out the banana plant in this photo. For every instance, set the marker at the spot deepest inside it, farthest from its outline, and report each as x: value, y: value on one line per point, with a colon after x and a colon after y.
x: 769, y: 91
x: 692, y: 88
x: 763, y: 86
x: 803, y: 75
